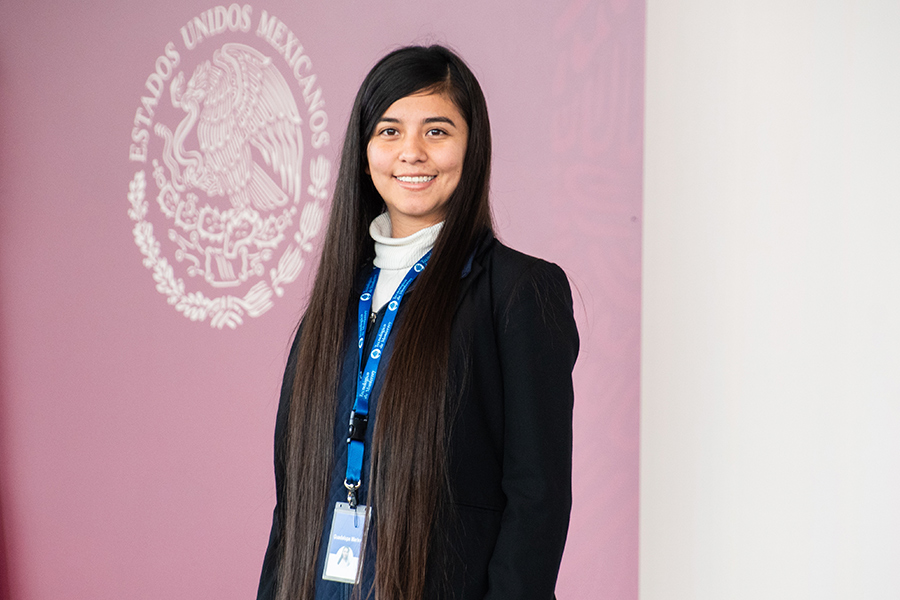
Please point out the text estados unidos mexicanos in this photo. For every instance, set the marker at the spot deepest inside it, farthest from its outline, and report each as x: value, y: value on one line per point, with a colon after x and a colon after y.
x: 208, y: 24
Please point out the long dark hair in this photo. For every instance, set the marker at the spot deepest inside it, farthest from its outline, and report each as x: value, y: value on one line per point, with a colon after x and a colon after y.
x: 408, y: 456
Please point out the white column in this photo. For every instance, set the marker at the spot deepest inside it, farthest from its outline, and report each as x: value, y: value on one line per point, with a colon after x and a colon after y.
x: 770, y: 420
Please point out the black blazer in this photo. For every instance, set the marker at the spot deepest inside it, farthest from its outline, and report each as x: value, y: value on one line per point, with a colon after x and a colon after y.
x: 514, y: 344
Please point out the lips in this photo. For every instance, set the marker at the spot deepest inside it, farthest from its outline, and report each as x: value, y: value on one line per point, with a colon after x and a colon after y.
x: 415, y: 178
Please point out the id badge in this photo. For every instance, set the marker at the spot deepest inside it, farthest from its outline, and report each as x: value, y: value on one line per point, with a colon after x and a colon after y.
x: 348, y: 528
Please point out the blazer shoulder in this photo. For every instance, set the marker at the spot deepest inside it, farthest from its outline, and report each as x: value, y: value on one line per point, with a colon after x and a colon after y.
x: 513, y: 272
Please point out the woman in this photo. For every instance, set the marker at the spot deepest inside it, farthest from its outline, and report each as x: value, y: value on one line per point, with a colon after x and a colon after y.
x: 462, y: 350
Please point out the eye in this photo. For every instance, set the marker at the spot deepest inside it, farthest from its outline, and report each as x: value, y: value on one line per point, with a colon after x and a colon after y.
x: 388, y: 132
x: 435, y: 132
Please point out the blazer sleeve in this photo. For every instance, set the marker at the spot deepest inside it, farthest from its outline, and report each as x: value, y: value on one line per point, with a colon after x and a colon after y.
x: 269, y: 575
x: 537, y: 342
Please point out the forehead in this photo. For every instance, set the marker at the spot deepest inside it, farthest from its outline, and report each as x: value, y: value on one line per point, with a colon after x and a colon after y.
x: 417, y: 107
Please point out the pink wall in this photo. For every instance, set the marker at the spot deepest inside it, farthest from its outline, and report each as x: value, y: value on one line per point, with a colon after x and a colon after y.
x: 135, y: 444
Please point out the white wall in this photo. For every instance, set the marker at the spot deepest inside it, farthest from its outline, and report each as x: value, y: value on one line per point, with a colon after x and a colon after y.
x: 770, y: 441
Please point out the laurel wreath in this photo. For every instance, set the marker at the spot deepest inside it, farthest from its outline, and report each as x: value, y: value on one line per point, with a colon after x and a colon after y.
x: 228, y: 310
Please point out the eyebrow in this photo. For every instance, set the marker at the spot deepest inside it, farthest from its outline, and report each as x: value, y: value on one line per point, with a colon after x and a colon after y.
x: 425, y: 121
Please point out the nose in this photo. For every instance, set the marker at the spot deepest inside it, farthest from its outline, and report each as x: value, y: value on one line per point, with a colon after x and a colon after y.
x: 413, y: 150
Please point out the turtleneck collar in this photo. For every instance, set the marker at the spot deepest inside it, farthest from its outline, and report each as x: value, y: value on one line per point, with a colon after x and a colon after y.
x: 400, y: 253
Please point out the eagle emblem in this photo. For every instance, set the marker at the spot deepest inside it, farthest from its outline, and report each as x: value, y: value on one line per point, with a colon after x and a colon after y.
x: 239, y: 144
x: 221, y: 149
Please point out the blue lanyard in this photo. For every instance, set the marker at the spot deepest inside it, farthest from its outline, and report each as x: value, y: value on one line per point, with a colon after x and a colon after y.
x: 359, y: 416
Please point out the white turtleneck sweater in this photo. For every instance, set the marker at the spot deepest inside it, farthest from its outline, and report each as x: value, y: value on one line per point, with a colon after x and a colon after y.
x: 396, y: 256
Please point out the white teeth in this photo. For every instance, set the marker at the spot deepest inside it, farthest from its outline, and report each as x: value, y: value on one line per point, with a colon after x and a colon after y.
x: 421, y: 179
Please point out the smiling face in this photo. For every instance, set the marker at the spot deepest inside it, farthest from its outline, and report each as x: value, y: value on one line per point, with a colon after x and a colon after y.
x: 415, y: 158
